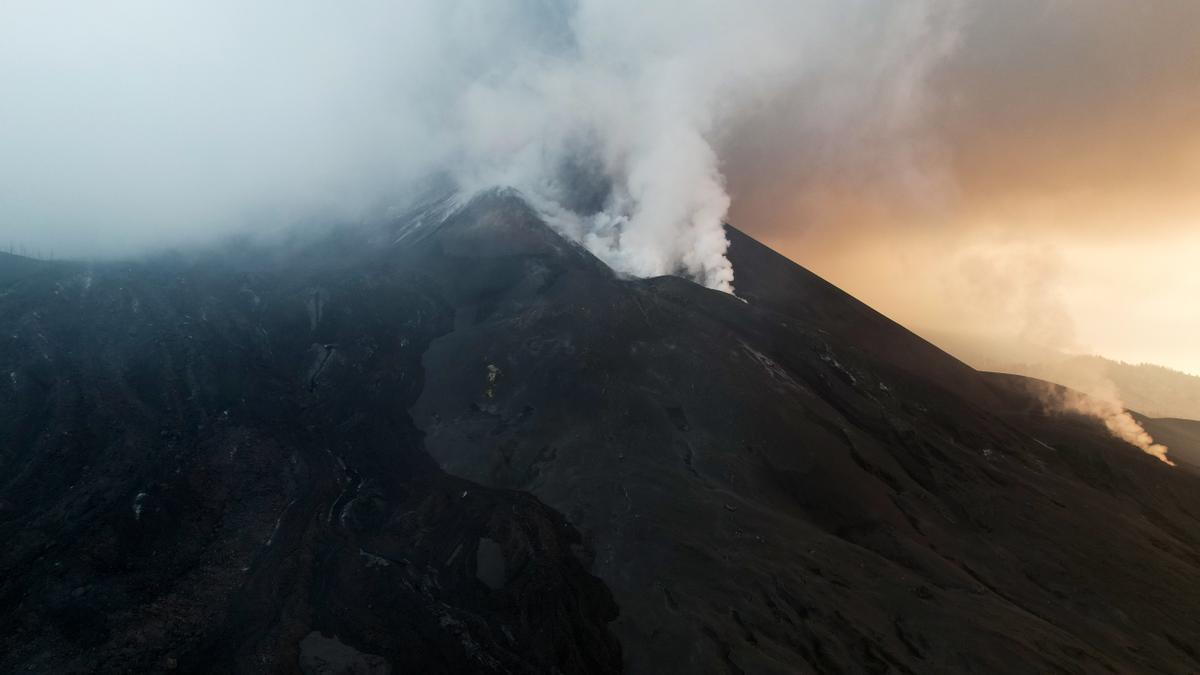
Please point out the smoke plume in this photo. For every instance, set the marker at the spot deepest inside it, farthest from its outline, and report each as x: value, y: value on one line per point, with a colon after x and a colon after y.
x: 168, y: 122
x: 1104, y: 406
x: 1020, y: 284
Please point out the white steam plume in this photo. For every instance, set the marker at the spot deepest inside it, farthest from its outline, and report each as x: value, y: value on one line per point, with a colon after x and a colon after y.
x: 639, y: 93
x: 169, y: 121
x: 1102, y: 402
x: 1025, y: 281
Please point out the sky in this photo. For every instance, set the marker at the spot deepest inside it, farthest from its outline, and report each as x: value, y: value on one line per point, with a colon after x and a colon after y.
x: 1060, y: 204
x: 1021, y: 170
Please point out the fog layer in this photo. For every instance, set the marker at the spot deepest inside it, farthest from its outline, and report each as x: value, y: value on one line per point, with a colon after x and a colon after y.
x: 139, y: 123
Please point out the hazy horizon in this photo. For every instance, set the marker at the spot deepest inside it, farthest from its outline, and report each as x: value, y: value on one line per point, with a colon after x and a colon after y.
x: 1061, y: 153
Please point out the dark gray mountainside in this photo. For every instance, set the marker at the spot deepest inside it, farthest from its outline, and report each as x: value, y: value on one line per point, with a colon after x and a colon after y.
x: 459, y: 443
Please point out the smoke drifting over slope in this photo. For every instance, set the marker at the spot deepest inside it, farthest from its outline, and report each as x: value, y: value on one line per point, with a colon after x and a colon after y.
x: 140, y: 123
x: 1104, y: 405
x: 1025, y: 284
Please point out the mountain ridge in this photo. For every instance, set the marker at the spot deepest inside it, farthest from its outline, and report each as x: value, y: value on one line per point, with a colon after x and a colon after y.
x: 1156, y: 390
x: 469, y: 445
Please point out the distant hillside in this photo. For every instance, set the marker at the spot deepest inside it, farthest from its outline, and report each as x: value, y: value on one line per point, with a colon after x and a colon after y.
x: 15, y: 267
x: 1147, y: 388
x: 1153, y: 390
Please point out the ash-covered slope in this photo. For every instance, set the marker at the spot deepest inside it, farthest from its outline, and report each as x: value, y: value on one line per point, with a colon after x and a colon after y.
x: 1182, y: 436
x: 207, y: 466
x: 441, y: 445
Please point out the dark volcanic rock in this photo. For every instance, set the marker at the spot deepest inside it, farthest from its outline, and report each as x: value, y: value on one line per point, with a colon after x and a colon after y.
x: 412, y: 447
x: 206, y: 462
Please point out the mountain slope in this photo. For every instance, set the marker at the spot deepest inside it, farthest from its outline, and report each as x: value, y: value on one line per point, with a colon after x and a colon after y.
x: 192, y: 480
x: 1181, y: 436
x: 328, y: 435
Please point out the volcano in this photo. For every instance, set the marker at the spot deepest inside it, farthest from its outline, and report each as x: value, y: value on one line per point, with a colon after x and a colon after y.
x: 458, y: 442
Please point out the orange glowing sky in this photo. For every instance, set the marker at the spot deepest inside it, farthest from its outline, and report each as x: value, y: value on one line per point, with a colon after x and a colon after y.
x: 1050, y: 192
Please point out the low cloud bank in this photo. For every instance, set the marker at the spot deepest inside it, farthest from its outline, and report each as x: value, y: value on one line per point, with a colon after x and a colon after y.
x: 140, y: 123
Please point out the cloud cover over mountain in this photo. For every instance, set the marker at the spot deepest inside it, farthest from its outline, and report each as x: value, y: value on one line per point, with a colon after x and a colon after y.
x: 149, y: 124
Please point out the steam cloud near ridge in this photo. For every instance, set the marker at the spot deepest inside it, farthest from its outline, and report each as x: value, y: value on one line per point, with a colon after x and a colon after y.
x: 1029, y: 278
x: 163, y: 123
x: 1106, y: 407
